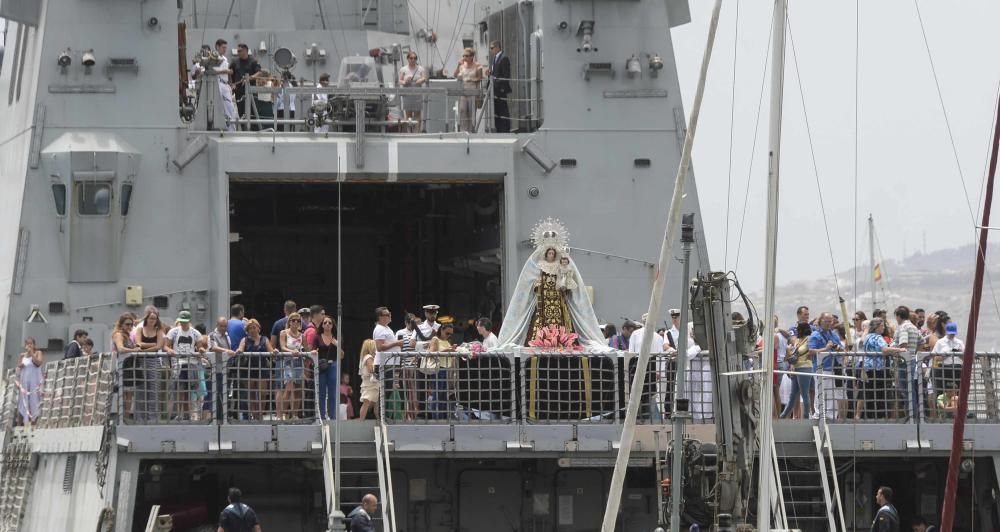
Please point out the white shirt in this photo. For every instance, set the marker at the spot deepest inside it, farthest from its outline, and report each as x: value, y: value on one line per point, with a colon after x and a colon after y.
x: 183, y: 342
x: 491, y: 342
x: 635, y: 341
x: 676, y: 335
x: 383, y: 332
x: 224, y: 89
x: 428, y: 328
x: 952, y: 346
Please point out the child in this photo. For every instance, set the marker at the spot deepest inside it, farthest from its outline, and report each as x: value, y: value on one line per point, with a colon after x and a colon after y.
x: 369, y: 383
x: 947, y: 403
x: 564, y: 276
x: 345, y: 394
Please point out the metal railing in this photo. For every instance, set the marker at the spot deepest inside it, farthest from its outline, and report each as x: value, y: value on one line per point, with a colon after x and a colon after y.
x: 162, y: 388
x: 570, y: 387
x: 660, y: 389
x: 270, y: 387
x: 895, y: 388
x: 441, y: 109
x: 447, y: 388
x: 72, y: 393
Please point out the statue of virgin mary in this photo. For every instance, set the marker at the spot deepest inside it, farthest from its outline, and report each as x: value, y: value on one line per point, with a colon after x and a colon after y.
x: 540, y: 299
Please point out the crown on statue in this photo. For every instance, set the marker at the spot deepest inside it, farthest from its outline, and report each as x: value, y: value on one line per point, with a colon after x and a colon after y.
x: 550, y: 233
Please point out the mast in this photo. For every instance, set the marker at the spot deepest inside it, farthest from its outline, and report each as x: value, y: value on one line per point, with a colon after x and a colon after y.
x: 656, y: 298
x: 968, y: 357
x: 766, y: 435
x: 871, y: 258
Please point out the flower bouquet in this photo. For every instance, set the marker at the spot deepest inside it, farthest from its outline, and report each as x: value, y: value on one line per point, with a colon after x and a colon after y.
x: 555, y: 338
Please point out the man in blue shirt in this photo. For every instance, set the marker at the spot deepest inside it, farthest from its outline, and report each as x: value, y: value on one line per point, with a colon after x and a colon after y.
x: 282, y: 324
x: 824, y: 339
x: 237, y: 325
x: 238, y: 517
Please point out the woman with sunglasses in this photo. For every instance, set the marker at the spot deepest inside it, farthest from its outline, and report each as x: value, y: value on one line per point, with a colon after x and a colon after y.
x: 325, y: 344
x: 413, y: 75
x: 123, y: 346
x: 151, y: 339
x: 293, y: 369
x: 470, y: 73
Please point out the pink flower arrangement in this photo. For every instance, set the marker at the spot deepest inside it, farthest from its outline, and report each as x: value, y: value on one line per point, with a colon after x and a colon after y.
x: 555, y: 338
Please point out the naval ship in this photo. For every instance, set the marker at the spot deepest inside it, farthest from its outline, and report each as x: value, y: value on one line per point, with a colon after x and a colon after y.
x: 126, y: 186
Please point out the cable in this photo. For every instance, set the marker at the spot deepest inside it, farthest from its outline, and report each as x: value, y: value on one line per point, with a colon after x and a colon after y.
x: 857, y: 140
x: 954, y: 149
x: 812, y: 153
x: 732, y: 118
x: 753, y: 147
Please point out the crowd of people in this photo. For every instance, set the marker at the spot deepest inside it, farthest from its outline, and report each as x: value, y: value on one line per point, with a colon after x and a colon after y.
x: 234, y: 77
x: 897, y: 367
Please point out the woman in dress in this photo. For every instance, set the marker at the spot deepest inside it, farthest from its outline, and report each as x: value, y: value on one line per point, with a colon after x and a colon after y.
x: 255, y: 372
x: 413, y: 75
x: 369, y: 383
x: 29, y: 383
x: 470, y: 73
x: 123, y: 346
x: 292, y: 368
x: 150, y: 342
x: 325, y: 344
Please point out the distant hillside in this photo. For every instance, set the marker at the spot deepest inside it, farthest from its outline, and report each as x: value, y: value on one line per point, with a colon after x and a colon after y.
x: 941, y: 280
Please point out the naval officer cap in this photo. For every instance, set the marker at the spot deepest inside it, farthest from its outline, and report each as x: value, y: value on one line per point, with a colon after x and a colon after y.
x: 675, y: 312
x: 431, y: 308
x: 305, y: 311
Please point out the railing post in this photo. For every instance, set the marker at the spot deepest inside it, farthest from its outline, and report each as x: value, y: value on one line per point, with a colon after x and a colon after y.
x: 989, y: 387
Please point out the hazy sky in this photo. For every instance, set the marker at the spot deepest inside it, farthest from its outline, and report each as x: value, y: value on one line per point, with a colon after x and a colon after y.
x: 907, y: 171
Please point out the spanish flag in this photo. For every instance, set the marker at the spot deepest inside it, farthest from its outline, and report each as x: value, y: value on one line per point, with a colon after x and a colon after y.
x: 877, y: 273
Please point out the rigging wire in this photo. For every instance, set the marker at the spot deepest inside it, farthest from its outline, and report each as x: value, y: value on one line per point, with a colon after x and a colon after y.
x: 812, y: 154
x: 458, y: 24
x: 857, y: 140
x: 753, y: 147
x: 333, y: 38
x: 884, y: 283
x: 732, y: 118
x: 954, y: 149
x: 343, y: 33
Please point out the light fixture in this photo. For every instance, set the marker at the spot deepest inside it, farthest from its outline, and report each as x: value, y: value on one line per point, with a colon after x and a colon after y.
x: 65, y: 59
x: 88, y: 59
x: 284, y: 58
x: 262, y: 49
x: 655, y: 65
x: 586, y: 34
x: 633, y: 67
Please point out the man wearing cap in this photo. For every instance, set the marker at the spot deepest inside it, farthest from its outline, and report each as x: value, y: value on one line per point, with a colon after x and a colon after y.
x: 430, y: 325
x: 949, y: 353
x: 182, y: 342
x: 670, y: 339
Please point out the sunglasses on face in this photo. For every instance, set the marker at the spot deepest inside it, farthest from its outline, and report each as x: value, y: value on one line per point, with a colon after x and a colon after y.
x: 294, y: 321
x: 127, y: 324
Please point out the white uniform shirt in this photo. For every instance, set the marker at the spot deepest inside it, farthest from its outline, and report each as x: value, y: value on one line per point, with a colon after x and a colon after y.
x: 635, y: 341
x: 491, y: 341
x: 224, y: 90
x: 428, y: 328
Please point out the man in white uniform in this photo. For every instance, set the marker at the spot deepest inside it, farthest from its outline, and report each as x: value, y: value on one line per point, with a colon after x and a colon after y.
x: 430, y: 325
x: 657, y: 404
x: 484, y: 326
x: 225, y: 90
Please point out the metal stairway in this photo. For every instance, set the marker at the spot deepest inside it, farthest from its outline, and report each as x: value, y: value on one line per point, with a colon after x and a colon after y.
x: 810, y: 490
x: 360, y: 476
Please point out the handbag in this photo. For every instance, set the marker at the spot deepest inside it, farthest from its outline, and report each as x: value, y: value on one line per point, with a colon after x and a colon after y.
x: 793, y: 357
x: 324, y: 365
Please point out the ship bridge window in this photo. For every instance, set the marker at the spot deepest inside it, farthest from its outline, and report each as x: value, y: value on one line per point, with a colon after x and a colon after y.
x: 93, y: 199
x: 59, y: 196
x: 126, y: 197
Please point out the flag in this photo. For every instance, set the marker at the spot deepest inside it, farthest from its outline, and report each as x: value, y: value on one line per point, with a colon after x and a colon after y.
x: 877, y: 273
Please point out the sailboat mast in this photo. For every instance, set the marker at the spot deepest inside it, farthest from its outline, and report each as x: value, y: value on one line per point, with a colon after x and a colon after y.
x: 766, y: 478
x: 871, y: 259
x: 968, y: 357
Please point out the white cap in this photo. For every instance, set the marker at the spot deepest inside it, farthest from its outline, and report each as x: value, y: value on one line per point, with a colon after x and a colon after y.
x: 431, y: 307
x: 674, y: 311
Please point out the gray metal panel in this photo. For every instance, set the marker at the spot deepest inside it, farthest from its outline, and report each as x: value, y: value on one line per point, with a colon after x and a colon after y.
x: 490, y: 500
x: 23, y: 11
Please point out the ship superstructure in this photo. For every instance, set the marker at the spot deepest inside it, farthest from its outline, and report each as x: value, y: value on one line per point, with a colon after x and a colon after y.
x: 123, y: 187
